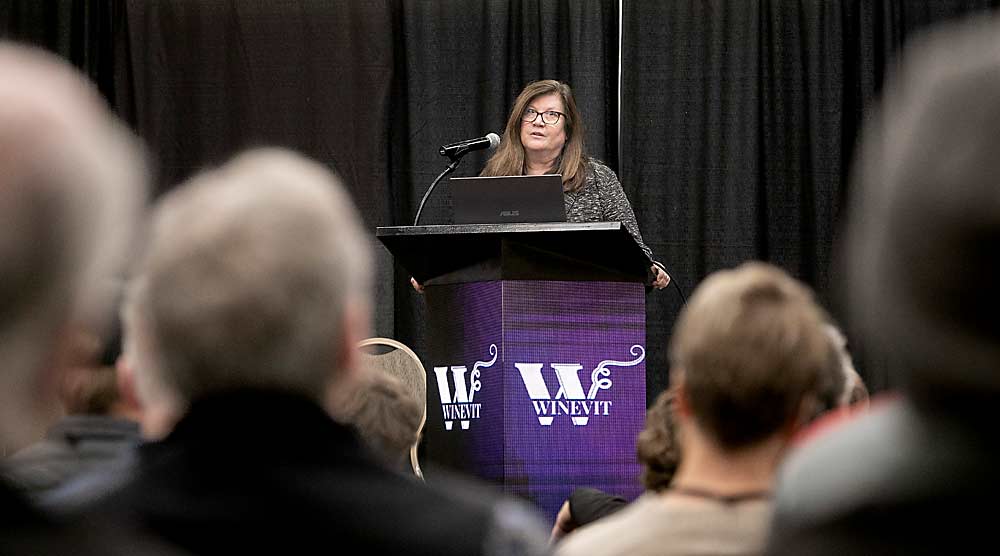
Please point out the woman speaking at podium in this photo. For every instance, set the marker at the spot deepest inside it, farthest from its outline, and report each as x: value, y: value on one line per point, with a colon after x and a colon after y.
x: 544, y: 135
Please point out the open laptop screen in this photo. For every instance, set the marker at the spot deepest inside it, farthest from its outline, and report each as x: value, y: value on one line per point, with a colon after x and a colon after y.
x: 508, y: 199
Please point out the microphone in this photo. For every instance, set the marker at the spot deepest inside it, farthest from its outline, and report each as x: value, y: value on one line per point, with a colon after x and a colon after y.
x: 457, y: 150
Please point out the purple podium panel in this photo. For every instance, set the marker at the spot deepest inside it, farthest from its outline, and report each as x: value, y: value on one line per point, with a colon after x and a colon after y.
x: 538, y: 386
x: 465, y: 394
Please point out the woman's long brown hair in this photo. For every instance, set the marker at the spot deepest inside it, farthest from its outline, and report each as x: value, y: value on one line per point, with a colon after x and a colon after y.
x: 509, y: 159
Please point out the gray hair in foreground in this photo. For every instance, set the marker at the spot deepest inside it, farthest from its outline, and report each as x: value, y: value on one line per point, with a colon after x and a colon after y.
x: 246, y: 280
x: 72, y: 184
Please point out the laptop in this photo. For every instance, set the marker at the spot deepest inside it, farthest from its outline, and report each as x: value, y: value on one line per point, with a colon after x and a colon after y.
x: 508, y: 199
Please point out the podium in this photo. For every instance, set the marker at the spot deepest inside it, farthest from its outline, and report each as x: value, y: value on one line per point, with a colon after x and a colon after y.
x: 536, y: 352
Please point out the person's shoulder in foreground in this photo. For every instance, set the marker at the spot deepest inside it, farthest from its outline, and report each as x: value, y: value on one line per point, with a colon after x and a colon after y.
x: 659, y: 525
x: 25, y: 530
x: 513, y: 526
x: 257, y: 488
x: 75, y: 445
x: 893, y: 481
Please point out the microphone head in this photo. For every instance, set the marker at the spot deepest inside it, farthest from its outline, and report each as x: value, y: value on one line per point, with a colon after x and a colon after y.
x: 494, y: 140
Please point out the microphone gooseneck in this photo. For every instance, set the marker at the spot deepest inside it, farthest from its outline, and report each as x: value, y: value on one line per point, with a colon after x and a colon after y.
x: 451, y: 168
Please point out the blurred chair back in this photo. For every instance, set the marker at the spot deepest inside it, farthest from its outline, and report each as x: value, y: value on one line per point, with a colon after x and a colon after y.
x: 396, y: 359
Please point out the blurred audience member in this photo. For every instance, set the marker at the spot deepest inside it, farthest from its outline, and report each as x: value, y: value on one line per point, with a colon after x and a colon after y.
x: 747, y: 355
x: 100, y: 423
x: 386, y: 418
x: 832, y: 386
x: 917, y: 476
x: 659, y: 455
x: 852, y: 389
x: 857, y: 396
x: 242, y: 320
x: 71, y: 186
x: 657, y: 446
x: 841, y: 395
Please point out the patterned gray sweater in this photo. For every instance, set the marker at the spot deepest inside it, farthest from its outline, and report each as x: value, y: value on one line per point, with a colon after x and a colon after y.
x: 602, y: 199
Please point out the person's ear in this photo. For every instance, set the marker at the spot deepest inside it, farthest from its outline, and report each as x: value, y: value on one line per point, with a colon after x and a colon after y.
x: 355, y: 326
x: 346, y: 373
x: 806, y: 413
x: 681, y: 405
x: 125, y: 379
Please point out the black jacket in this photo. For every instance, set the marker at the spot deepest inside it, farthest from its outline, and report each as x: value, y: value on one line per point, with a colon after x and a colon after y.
x: 26, y: 530
x: 253, y: 472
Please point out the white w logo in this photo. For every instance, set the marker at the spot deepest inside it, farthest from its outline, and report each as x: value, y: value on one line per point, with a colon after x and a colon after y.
x: 570, y: 398
x: 461, y: 406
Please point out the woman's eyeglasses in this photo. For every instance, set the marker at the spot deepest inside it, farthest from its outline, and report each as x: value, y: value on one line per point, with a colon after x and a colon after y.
x: 550, y: 117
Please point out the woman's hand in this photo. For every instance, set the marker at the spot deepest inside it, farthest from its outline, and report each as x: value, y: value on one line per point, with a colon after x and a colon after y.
x: 660, y: 277
x: 419, y: 287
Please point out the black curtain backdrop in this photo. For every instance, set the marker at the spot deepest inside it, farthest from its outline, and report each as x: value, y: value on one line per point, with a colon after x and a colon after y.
x: 82, y: 31
x: 738, y: 119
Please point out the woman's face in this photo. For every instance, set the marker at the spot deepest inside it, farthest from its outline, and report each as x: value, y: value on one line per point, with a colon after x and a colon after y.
x: 544, y: 141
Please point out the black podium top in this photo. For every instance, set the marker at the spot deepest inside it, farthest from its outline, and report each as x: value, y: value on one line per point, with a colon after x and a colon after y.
x: 602, y: 251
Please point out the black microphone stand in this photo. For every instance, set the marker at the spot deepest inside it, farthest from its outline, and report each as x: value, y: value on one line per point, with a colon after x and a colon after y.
x: 455, y: 160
